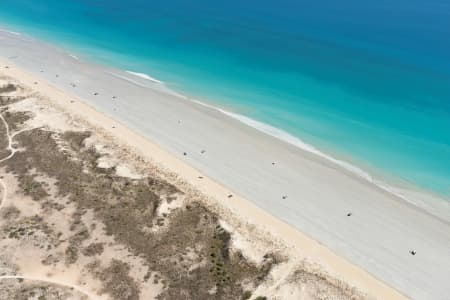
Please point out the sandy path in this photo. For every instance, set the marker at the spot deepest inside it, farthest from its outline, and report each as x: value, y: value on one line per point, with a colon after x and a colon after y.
x: 4, y: 193
x: 4, y: 189
x: 13, y: 151
x: 9, y: 140
x: 53, y: 281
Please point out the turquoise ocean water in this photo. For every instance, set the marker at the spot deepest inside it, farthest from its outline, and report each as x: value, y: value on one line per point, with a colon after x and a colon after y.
x: 367, y: 82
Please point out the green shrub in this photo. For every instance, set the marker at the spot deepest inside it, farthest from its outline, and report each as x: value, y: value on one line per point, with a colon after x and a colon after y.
x: 246, y: 295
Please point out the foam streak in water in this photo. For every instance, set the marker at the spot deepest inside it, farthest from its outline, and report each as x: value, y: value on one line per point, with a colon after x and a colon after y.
x: 10, y: 32
x: 287, y: 137
x: 437, y: 207
x: 145, y: 76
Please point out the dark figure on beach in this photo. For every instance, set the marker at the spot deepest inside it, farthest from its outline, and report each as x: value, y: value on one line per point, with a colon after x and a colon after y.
x: 273, y: 163
x: 184, y: 153
x: 229, y: 196
x: 413, y: 252
x: 284, y: 197
x: 95, y: 94
x: 114, y: 97
x: 349, y: 214
x: 203, y: 151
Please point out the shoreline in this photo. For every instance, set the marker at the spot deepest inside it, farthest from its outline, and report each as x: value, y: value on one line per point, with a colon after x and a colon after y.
x: 238, y: 207
x: 408, y: 191
x: 325, y: 191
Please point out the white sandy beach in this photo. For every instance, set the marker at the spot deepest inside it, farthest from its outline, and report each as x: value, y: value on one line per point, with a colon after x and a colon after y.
x: 373, y: 243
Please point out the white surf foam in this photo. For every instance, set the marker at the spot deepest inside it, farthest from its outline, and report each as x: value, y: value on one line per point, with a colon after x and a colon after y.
x: 145, y: 76
x: 74, y: 56
x: 10, y: 32
x: 432, y: 204
x: 289, y: 138
x: 127, y: 79
x: 161, y: 86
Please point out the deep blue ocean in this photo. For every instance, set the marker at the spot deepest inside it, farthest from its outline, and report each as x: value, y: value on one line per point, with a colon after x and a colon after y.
x: 365, y: 81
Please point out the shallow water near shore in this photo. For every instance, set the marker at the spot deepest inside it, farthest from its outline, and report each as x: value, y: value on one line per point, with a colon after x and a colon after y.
x: 374, y: 95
